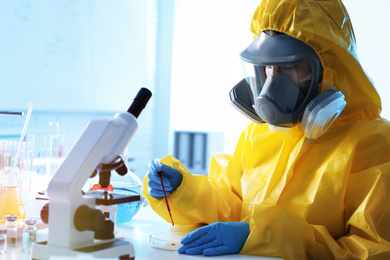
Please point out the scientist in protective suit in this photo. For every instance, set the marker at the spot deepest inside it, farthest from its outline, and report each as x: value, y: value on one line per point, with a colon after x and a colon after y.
x: 310, y: 177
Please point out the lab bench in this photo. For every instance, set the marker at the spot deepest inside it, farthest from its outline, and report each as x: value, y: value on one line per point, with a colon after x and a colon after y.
x: 145, y: 223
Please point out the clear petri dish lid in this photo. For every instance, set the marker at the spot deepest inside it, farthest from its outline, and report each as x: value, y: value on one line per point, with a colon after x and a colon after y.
x: 166, y: 241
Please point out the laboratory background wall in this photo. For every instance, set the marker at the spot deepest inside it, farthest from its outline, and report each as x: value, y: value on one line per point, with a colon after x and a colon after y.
x: 77, y: 60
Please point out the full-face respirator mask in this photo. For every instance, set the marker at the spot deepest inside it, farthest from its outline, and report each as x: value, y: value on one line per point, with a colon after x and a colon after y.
x: 281, y: 86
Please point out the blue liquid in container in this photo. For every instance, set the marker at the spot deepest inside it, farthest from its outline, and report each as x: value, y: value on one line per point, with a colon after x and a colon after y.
x: 126, y: 211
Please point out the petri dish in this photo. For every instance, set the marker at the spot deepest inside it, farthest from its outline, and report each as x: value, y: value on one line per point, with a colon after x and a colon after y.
x: 166, y: 241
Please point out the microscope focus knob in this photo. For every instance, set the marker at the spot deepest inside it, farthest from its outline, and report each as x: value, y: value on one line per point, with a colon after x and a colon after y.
x: 86, y: 218
x: 122, y: 170
x: 45, y: 213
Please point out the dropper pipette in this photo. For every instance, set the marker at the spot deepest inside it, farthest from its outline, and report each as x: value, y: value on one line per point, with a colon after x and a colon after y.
x: 160, y: 173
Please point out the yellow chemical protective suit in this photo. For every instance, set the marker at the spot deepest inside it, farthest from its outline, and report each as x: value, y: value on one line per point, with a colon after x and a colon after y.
x: 327, y: 198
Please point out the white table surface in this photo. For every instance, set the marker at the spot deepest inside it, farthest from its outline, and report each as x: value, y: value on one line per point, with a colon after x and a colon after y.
x: 146, y: 222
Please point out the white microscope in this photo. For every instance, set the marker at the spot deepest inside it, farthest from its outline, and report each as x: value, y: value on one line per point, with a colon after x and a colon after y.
x: 76, y: 227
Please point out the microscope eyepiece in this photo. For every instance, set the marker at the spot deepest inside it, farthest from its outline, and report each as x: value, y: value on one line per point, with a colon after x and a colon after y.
x: 139, y: 102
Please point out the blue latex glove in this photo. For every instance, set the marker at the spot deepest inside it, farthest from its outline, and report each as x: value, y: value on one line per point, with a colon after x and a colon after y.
x: 171, y: 177
x: 219, y: 238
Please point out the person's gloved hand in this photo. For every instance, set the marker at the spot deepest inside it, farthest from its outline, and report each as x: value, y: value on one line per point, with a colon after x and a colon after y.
x: 219, y: 238
x: 171, y: 177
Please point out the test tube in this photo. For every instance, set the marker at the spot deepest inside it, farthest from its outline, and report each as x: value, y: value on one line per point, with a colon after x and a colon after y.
x: 2, y: 154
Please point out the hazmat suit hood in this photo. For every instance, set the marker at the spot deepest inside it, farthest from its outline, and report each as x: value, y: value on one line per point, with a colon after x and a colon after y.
x: 327, y: 28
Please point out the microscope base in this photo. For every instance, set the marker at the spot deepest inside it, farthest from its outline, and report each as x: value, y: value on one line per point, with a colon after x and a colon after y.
x: 106, y: 249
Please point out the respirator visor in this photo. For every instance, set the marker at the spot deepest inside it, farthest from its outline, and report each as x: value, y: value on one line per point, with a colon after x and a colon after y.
x: 298, y: 74
x: 283, y: 74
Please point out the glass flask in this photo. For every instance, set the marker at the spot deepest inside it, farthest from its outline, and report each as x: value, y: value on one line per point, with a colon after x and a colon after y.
x: 10, y: 199
x: 130, y: 184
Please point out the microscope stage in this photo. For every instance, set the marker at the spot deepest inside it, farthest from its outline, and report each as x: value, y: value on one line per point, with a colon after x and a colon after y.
x: 111, y: 198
